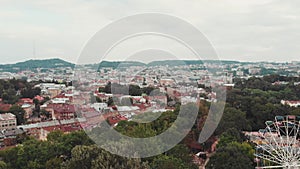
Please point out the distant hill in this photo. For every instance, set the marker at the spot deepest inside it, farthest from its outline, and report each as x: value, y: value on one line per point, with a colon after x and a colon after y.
x: 189, y: 62
x: 120, y: 64
x: 115, y: 64
x: 167, y: 62
x: 34, y: 64
x: 59, y: 63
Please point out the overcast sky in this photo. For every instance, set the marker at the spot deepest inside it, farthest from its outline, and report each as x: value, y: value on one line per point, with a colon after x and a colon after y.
x: 244, y: 30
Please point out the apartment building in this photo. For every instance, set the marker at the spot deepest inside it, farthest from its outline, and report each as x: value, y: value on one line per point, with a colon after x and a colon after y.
x: 7, y: 121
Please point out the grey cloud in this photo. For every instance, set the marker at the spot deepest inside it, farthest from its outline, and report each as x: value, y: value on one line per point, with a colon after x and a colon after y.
x: 240, y: 30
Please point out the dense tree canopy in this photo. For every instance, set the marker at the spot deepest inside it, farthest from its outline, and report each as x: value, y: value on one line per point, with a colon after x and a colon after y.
x: 234, y: 156
x: 252, y: 102
x: 13, y: 89
x: 133, y: 90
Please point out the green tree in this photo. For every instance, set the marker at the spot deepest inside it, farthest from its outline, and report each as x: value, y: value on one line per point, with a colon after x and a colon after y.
x: 233, y: 118
x: 135, y: 90
x: 229, y: 136
x: 92, y: 157
x: 233, y: 156
x: 54, y: 163
x: 168, y: 162
x: 19, y: 113
x: 3, y: 165
x: 55, y: 136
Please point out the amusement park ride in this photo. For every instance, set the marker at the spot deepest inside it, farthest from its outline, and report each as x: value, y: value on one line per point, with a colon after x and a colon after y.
x: 279, y: 146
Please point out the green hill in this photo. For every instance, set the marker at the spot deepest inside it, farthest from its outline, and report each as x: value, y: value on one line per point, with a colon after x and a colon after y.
x: 34, y: 64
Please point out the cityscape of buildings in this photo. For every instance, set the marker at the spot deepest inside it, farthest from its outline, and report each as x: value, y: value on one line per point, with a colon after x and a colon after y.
x: 73, y: 99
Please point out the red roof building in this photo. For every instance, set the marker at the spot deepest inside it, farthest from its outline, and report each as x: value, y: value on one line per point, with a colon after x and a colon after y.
x: 113, y: 120
x: 5, y: 107
x: 26, y: 101
x: 39, y: 98
x: 64, y: 111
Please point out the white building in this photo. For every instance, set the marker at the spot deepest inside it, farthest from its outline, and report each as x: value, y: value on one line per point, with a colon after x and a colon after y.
x: 291, y: 103
x: 8, y: 121
x: 99, y: 106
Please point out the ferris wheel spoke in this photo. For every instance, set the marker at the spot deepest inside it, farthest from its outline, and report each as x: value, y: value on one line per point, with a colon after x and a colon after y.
x: 281, y: 143
x: 296, y: 142
x: 271, y: 155
x: 277, y: 153
x: 278, y: 129
x: 293, y: 139
x: 269, y: 158
x: 276, y: 144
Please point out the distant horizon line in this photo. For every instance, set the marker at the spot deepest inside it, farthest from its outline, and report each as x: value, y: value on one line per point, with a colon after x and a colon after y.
x: 227, y: 60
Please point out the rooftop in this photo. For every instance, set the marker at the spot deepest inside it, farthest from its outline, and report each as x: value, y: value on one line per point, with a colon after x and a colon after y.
x: 7, y: 116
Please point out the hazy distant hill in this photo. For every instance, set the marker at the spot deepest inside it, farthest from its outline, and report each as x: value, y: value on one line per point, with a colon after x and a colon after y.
x: 120, y: 64
x: 115, y: 64
x: 189, y: 62
x: 34, y: 64
x: 59, y: 63
x: 167, y: 62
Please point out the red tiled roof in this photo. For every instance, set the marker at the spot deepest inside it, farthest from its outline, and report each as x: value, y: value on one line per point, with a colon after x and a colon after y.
x: 63, y: 96
x: 26, y: 100
x: 115, y: 119
x: 5, y: 107
x: 62, y: 108
x: 39, y: 98
x: 141, y: 106
x: 71, y: 128
x: 51, y: 128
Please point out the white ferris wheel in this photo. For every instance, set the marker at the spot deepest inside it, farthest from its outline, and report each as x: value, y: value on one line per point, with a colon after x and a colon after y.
x: 279, y: 145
